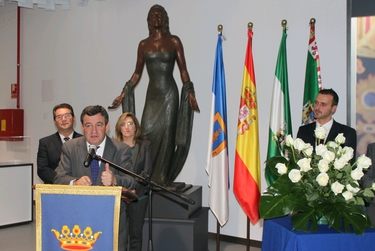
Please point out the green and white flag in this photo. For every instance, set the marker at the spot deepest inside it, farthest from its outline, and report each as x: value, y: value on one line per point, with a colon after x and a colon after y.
x: 280, y: 119
x: 313, y: 80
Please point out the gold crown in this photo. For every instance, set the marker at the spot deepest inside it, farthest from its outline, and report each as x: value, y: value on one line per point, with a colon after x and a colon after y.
x: 76, y: 240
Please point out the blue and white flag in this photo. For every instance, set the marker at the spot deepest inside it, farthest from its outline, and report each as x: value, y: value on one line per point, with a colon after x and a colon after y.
x: 217, y: 159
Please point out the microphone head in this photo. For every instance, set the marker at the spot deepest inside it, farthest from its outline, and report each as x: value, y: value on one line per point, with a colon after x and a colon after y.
x: 92, y: 147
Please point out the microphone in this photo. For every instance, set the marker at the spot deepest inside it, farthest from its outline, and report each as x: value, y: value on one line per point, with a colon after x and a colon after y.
x: 90, y: 155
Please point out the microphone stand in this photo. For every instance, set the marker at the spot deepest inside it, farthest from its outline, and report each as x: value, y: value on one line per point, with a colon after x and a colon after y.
x: 151, y: 186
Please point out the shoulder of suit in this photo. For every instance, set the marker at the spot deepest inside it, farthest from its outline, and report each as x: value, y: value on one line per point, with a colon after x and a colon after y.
x: 343, y: 125
x: 76, y: 134
x: 313, y: 124
x: 52, y: 136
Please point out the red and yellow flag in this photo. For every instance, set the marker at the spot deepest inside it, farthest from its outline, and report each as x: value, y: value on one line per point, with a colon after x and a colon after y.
x: 247, y: 159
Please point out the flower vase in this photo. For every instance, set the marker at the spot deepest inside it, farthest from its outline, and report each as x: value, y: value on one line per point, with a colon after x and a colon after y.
x: 322, y: 220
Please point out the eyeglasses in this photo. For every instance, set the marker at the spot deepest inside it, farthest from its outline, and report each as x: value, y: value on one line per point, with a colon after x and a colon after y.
x: 65, y: 116
x: 127, y: 124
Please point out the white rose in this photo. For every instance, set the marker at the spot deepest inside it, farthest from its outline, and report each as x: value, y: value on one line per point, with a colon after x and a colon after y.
x: 337, y: 188
x: 339, y: 164
x: 347, y: 195
x: 323, y: 166
x: 357, y: 173
x: 299, y: 144
x: 363, y: 161
x: 320, y: 132
x: 322, y: 179
x: 348, y: 153
x: 320, y: 149
x: 281, y: 168
x: 295, y: 175
x: 304, y: 164
x: 373, y: 186
x: 289, y: 140
x: 340, y: 139
x: 352, y: 189
x: 308, y: 150
x: 332, y: 144
x: 328, y: 156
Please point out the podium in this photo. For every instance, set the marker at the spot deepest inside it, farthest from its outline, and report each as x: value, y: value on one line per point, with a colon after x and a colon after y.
x: 177, y: 225
x: 74, y: 217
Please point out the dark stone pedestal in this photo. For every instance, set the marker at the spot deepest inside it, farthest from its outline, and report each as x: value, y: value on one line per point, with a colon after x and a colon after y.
x: 177, y: 225
x: 169, y: 206
x: 178, y: 234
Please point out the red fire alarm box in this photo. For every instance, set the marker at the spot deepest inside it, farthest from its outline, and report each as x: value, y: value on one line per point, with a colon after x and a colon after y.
x: 11, y: 123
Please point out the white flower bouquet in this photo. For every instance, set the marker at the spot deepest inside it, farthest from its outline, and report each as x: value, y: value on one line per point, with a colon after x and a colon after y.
x: 315, y: 184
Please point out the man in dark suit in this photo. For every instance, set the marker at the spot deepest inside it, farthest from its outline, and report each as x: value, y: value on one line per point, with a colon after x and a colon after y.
x: 368, y: 179
x: 71, y: 169
x: 325, y: 106
x: 49, y: 149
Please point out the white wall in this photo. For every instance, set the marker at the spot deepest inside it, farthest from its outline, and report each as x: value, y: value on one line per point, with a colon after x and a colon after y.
x: 85, y: 55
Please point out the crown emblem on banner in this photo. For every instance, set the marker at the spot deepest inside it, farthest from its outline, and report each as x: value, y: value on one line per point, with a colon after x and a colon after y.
x: 76, y: 240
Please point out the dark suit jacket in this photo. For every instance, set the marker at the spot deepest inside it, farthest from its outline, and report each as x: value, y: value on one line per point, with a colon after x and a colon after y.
x: 367, y: 180
x: 306, y: 133
x: 71, y: 167
x: 142, y: 162
x: 74, y: 153
x: 48, y: 157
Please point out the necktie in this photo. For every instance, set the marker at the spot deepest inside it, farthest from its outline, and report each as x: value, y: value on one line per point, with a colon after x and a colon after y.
x: 66, y: 139
x: 94, y: 169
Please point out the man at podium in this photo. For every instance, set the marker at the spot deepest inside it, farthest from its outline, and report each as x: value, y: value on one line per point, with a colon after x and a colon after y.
x: 77, y: 167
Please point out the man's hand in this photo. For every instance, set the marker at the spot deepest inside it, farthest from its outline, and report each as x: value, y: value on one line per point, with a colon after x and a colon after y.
x: 83, y: 181
x: 107, y: 176
x: 125, y: 195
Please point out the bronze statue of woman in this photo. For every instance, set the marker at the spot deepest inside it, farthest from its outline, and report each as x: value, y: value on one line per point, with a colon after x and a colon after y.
x: 165, y: 122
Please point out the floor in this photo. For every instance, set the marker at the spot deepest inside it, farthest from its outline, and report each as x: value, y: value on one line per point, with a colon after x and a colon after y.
x: 23, y: 238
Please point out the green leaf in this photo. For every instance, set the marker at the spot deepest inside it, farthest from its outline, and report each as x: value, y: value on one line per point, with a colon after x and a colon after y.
x: 306, y: 219
x: 273, y: 207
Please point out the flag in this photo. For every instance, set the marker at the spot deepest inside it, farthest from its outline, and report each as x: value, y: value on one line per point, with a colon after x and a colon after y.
x: 217, y: 159
x: 246, y: 183
x: 313, y: 80
x: 280, y: 119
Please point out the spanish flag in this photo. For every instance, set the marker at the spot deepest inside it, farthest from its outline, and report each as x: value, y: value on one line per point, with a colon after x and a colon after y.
x: 247, y: 159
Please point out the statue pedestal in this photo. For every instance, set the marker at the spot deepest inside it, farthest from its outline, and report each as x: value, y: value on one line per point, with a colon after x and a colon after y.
x: 166, y: 205
x: 177, y: 225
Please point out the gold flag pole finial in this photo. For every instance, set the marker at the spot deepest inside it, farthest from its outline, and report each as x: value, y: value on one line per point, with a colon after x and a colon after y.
x: 312, y: 21
x: 220, y: 28
x: 250, y: 26
x: 283, y: 23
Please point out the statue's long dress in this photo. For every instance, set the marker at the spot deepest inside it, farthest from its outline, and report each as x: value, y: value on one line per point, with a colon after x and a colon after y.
x: 159, y: 118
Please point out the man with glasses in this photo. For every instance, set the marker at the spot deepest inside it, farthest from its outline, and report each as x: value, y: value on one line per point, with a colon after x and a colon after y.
x: 49, y: 149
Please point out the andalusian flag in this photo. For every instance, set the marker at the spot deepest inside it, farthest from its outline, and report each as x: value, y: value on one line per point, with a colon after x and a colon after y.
x: 313, y: 80
x: 217, y: 160
x: 247, y: 160
x: 280, y: 119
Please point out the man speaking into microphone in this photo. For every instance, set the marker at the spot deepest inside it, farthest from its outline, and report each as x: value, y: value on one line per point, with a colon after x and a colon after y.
x: 78, y: 167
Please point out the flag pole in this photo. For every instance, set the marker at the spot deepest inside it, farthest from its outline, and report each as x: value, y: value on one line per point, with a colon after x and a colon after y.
x: 248, y: 234
x: 249, y: 27
x: 220, y: 30
x: 217, y: 236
